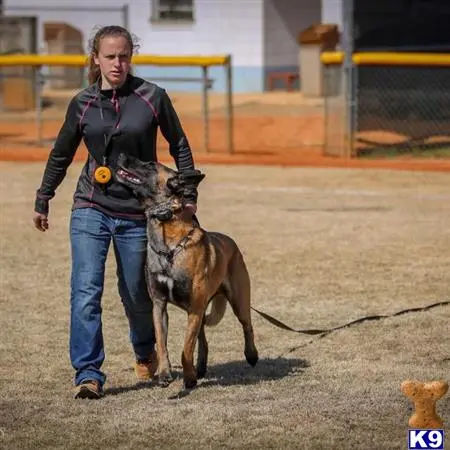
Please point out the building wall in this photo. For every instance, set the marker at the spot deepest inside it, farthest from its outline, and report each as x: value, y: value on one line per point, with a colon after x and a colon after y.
x: 220, y: 26
x: 261, y: 35
x: 54, y: 11
x: 332, y: 12
x: 283, y: 21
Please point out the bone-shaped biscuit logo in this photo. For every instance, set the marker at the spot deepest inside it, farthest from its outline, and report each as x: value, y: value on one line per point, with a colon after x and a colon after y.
x: 424, y: 396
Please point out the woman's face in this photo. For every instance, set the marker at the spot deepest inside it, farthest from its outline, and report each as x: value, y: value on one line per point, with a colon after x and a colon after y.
x: 114, y: 59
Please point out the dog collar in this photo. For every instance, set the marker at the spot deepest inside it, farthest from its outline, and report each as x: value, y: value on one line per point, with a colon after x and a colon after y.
x: 170, y: 254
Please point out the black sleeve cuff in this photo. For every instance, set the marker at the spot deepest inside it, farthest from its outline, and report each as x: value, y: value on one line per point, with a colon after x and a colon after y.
x: 41, y: 206
x: 191, y: 195
x: 191, y: 179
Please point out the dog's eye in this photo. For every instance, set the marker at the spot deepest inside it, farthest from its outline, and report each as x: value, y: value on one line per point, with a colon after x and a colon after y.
x: 174, y: 185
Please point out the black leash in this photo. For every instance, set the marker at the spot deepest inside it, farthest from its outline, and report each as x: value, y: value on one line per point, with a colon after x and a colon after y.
x: 326, y: 331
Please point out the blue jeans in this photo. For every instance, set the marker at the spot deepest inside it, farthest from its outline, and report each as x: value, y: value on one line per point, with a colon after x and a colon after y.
x: 91, y: 232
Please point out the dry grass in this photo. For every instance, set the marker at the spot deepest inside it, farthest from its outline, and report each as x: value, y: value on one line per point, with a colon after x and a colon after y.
x: 323, y: 247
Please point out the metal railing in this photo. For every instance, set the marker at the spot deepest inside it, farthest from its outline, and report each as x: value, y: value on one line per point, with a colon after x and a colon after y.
x: 38, y: 62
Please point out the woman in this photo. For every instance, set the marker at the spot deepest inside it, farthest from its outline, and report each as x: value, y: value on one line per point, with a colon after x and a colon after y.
x: 117, y: 113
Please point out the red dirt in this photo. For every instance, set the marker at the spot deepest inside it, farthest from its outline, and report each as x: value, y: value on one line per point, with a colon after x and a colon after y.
x: 259, y: 140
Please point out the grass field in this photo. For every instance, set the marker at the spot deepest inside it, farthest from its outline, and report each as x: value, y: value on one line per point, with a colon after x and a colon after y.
x: 323, y: 247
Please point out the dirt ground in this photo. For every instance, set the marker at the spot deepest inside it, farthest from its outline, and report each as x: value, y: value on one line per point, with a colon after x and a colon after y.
x: 323, y: 247
x: 276, y: 128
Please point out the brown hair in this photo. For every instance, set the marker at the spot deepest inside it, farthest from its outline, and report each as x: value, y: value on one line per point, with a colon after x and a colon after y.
x: 94, y: 45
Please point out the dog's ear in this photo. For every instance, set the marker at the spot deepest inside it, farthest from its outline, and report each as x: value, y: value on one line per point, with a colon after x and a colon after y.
x: 191, y: 177
x: 175, y: 184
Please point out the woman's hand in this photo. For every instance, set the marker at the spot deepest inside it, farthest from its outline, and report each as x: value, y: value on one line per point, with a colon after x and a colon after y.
x: 40, y: 221
x: 189, y: 209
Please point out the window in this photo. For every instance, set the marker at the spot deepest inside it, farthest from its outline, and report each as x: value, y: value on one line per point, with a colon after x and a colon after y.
x: 172, y: 10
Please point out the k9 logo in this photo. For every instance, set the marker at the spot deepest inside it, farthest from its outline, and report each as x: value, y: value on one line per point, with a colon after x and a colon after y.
x: 426, y: 439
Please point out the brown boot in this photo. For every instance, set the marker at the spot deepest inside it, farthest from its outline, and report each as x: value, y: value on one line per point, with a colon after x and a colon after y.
x: 89, y: 389
x: 145, y: 369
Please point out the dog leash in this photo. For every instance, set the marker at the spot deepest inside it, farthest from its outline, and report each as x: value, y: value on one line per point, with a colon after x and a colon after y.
x: 325, y: 331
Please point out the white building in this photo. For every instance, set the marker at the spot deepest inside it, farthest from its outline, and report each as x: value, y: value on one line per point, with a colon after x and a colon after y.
x: 261, y: 35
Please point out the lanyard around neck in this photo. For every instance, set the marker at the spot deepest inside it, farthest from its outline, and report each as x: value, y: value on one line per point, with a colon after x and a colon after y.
x: 107, y: 136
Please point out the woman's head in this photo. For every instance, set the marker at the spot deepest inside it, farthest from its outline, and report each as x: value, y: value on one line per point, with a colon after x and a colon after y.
x: 111, y: 50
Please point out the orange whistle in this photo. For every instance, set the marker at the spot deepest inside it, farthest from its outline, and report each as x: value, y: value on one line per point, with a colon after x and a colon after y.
x: 102, y: 174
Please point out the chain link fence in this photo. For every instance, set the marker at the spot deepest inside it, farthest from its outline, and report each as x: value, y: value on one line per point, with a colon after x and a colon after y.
x: 401, y: 109
x: 393, y: 110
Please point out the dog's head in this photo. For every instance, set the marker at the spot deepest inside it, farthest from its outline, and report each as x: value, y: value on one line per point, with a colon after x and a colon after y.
x: 161, y: 190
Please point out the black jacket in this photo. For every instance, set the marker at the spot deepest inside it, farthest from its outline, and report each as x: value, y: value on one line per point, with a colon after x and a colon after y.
x: 132, y: 115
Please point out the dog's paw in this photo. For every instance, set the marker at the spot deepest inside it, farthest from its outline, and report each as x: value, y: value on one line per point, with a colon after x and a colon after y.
x: 163, y: 380
x: 252, y: 358
x: 190, y: 383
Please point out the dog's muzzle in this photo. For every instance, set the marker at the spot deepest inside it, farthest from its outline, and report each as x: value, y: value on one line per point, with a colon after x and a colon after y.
x: 162, y: 212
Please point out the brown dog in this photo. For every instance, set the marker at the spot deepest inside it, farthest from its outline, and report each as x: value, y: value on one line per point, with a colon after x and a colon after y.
x: 186, y: 266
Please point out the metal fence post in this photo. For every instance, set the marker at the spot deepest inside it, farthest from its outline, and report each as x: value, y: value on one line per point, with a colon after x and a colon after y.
x: 347, y: 45
x: 38, y: 89
x: 205, y: 88
x: 355, y: 112
x: 229, y: 105
x: 126, y: 16
x: 326, y: 111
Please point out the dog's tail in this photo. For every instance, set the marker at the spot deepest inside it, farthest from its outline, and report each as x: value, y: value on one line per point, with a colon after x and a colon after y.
x: 218, y: 307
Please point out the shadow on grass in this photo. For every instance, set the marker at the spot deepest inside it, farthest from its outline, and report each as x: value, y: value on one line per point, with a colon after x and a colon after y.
x: 240, y: 373
x: 232, y: 373
x: 130, y: 388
